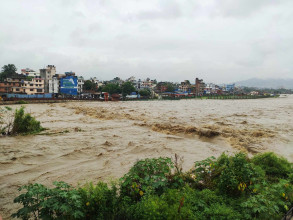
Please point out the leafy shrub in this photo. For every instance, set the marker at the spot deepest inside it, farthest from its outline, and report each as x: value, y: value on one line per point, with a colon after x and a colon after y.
x: 24, y: 123
x: 145, y: 93
x: 231, y: 187
x: 99, y: 202
x: 237, y: 174
x: 204, y: 172
x: 270, y: 201
x: 273, y: 165
x: 206, y: 204
x: 41, y: 202
x: 170, y: 205
x: 146, y: 175
x: 22, y: 102
x: 154, y: 207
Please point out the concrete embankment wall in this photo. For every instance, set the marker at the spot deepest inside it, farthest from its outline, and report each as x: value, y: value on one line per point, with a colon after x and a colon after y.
x: 27, y: 101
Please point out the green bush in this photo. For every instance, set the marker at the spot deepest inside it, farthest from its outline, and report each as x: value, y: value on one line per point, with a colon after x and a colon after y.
x: 230, y: 187
x: 145, y: 176
x: 207, y: 204
x: 155, y: 207
x: 236, y: 174
x: 205, y: 172
x: 22, y: 102
x: 170, y: 205
x: 99, y: 202
x: 273, y: 165
x: 145, y: 93
x: 270, y: 201
x: 24, y: 123
x: 40, y: 202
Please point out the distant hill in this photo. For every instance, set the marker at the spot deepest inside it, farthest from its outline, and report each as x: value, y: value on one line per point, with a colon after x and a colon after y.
x: 267, y: 83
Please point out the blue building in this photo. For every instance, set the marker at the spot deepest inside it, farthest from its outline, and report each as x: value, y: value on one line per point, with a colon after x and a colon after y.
x: 230, y: 87
x: 68, y: 85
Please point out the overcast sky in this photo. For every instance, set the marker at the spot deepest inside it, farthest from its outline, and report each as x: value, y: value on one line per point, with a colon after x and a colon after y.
x: 217, y: 40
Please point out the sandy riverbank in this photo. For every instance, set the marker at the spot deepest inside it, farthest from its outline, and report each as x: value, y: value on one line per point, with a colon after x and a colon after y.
x: 93, y: 141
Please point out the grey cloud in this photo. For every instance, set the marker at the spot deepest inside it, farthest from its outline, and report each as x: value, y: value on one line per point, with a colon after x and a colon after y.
x: 94, y: 27
x: 242, y: 8
x: 219, y: 41
x: 164, y: 10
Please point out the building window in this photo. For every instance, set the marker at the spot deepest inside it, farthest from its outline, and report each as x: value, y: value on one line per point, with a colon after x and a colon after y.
x: 39, y: 90
x: 17, y: 89
x: 31, y: 90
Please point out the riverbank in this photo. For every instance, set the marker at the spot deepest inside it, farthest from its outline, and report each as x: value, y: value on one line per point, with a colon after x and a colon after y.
x: 38, y: 101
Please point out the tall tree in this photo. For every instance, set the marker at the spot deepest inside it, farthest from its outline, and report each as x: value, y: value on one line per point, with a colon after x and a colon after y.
x: 127, y: 88
x: 112, y: 88
x: 145, y: 93
x: 89, y: 85
x: 170, y: 87
x: 8, y: 71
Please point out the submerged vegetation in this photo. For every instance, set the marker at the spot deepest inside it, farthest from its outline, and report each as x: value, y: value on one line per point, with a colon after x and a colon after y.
x: 18, y: 122
x: 229, y: 187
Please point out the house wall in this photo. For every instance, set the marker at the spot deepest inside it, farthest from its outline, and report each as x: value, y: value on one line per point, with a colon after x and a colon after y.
x: 54, y: 85
x: 36, y: 86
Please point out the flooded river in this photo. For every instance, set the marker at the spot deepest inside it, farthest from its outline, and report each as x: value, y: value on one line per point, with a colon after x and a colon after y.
x: 92, y: 141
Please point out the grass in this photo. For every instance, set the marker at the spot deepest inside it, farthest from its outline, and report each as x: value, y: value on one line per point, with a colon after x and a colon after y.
x: 21, y: 102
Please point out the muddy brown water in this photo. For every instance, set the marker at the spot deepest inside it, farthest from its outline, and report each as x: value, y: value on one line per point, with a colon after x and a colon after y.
x: 92, y: 141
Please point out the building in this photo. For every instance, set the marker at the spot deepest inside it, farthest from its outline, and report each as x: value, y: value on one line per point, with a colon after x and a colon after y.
x: 134, y: 82
x: 210, y: 88
x: 54, y: 85
x: 30, y: 73
x: 199, y: 87
x: 6, y: 86
x: 161, y: 87
x: 47, y: 74
x: 35, y: 86
x: 146, y: 84
x: 96, y: 81
x: 117, y: 80
x: 80, y: 83
x: 185, y: 86
x: 70, y: 73
x: 230, y: 87
x: 68, y: 85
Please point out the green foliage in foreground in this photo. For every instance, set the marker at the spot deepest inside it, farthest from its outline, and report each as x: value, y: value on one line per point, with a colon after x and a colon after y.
x: 230, y: 187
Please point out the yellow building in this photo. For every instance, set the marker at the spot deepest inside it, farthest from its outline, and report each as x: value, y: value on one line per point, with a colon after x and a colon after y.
x: 35, y: 86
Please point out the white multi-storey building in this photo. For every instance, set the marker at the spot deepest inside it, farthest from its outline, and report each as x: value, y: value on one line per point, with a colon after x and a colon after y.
x: 53, y: 85
x: 210, y: 88
x: 80, y: 83
x: 29, y: 72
